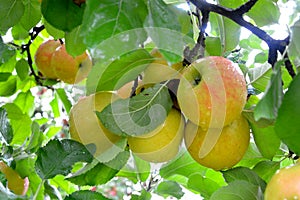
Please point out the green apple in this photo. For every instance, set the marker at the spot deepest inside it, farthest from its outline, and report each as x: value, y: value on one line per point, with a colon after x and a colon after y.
x: 162, y: 144
x: 85, y: 126
x: 70, y: 69
x: 212, y: 92
x: 285, y: 184
x: 218, y: 148
x: 43, y: 58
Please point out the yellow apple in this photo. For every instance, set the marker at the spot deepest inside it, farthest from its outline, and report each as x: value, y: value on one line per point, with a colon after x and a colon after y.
x: 15, y: 183
x: 69, y: 69
x: 160, y: 70
x: 285, y: 184
x: 212, y: 92
x: 231, y: 143
x: 162, y: 144
x: 85, y: 126
x: 43, y: 58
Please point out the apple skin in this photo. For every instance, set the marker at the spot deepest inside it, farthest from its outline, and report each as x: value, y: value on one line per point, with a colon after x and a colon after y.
x: 69, y: 69
x: 85, y: 126
x: 43, y: 58
x: 162, y: 144
x: 231, y: 144
x: 160, y: 70
x: 285, y: 184
x: 212, y: 92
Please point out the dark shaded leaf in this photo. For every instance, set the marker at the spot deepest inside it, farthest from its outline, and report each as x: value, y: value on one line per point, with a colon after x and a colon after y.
x: 58, y: 157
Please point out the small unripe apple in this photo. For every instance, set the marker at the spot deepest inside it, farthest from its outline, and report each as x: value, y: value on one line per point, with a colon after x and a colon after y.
x: 70, y: 69
x: 218, y: 148
x: 212, y: 92
x: 43, y: 58
x: 285, y: 184
x: 162, y: 144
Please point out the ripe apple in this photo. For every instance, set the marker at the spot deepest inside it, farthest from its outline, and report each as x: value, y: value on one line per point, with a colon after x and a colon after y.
x: 212, y: 92
x: 285, y: 184
x: 43, y: 58
x: 231, y: 143
x: 162, y: 144
x: 160, y: 70
x: 69, y: 69
x: 85, y: 126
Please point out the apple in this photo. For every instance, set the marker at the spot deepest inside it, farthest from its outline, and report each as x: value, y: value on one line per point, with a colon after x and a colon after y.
x: 69, y: 69
x: 162, y: 144
x: 285, y: 184
x: 43, y: 58
x: 218, y: 148
x: 160, y: 70
x: 212, y: 92
x: 85, y: 126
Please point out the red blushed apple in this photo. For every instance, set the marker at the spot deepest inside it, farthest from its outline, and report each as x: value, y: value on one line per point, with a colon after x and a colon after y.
x: 285, y: 184
x: 43, y: 58
x: 212, y: 92
x: 70, y: 69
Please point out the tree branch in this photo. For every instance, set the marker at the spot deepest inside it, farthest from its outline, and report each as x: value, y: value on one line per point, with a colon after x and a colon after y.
x: 236, y: 15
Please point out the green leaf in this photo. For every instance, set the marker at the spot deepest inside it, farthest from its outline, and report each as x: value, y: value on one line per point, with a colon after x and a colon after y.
x: 260, y: 76
x: 294, y: 46
x: 268, y: 106
x: 245, y: 174
x: 25, y: 101
x: 9, y: 87
x: 112, y: 17
x: 55, y: 107
x: 32, y: 14
x: 74, y: 42
x: 145, y: 195
x: 202, y: 184
x: 271, y: 13
x: 54, y: 32
x: 266, y: 169
x: 169, y: 188
x: 36, y: 138
x: 261, y: 123
x: 142, y: 167
x: 137, y: 115
x: 57, y: 157
x: 108, y: 77
x: 85, y: 194
x: 11, y: 12
x: 25, y: 167
x: 19, y: 32
x: 266, y: 140
x: 5, y: 51
x: 184, y: 165
x: 238, y: 190
x: 63, y: 15
x: 4, y: 76
x: 20, y: 122
x: 61, y: 93
x: 98, y: 173
x: 160, y: 15
x: 287, y: 125
x: 5, y: 127
x: 213, y: 46
x: 22, y: 69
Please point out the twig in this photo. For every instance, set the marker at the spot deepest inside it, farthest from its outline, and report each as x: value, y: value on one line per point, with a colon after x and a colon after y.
x: 236, y: 15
